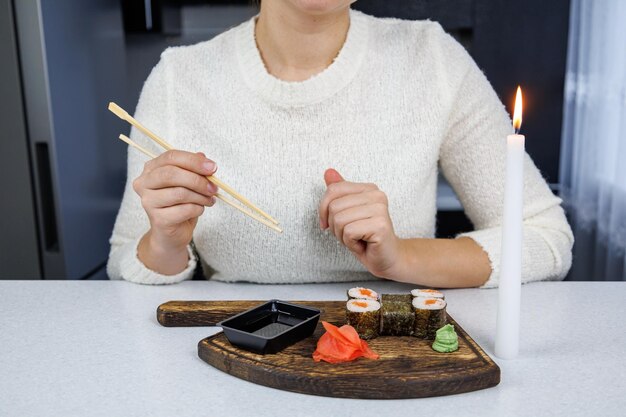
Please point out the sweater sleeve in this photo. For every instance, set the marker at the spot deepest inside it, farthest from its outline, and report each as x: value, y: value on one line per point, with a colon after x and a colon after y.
x: 472, y: 158
x: 132, y: 221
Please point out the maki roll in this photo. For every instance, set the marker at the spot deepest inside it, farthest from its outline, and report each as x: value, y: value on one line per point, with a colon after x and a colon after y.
x: 427, y: 293
x: 397, y: 318
x: 398, y: 298
x: 362, y: 293
x: 364, y: 316
x: 430, y: 315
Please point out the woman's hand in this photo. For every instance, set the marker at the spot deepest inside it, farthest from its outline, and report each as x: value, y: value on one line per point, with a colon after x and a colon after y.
x: 174, y: 191
x: 358, y: 215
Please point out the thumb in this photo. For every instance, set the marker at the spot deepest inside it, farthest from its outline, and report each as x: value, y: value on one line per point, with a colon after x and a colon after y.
x: 331, y: 176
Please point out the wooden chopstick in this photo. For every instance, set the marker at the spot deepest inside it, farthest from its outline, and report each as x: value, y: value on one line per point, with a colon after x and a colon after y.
x: 128, y: 140
x: 220, y: 196
x: 123, y: 114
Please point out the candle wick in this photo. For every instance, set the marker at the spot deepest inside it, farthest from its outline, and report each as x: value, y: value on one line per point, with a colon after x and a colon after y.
x: 517, y: 130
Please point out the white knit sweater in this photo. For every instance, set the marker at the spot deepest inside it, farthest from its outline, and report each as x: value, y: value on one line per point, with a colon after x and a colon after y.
x: 400, y: 99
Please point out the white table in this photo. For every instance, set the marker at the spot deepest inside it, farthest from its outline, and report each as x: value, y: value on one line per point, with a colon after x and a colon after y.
x: 96, y: 349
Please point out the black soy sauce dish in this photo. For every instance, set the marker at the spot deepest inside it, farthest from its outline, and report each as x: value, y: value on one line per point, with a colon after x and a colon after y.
x: 270, y: 327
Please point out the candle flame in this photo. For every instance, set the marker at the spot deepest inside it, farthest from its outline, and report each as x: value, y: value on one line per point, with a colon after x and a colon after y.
x: 517, y: 113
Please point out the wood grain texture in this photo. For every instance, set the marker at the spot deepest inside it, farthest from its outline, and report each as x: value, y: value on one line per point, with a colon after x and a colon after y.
x: 407, y: 368
x: 209, y: 313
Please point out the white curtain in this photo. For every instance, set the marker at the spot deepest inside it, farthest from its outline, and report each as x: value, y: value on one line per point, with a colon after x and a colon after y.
x: 593, y: 152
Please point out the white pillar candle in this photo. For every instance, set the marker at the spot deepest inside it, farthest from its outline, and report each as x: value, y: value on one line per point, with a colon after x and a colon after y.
x: 507, y: 328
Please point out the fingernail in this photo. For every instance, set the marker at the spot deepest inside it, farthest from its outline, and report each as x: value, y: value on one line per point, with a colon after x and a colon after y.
x: 209, y: 166
x: 212, y: 188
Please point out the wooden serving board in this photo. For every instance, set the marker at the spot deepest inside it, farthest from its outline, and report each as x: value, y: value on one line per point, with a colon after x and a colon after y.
x: 407, y: 368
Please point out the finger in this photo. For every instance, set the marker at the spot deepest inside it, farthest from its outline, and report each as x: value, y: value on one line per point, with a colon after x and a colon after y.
x: 175, y: 215
x: 355, y: 236
x: 331, y: 176
x: 361, y: 234
x: 353, y: 200
x: 338, y: 190
x: 173, y: 176
x: 172, y: 196
x: 195, y: 162
x: 353, y: 214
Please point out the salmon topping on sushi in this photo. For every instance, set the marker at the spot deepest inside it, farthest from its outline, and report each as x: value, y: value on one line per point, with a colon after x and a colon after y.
x: 427, y: 293
x: 362, y: 293
x: 341, y: 344
x: 429, y: 303
x: 359, y: 305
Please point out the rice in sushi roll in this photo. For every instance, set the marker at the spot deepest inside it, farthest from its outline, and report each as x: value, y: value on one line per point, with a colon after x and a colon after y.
x: 362, y: 293
x: 364, y: 316
x: 430, y: 315
x: 427, y: 293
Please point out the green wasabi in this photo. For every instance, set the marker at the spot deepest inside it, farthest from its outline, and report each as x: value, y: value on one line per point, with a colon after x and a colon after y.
x: 446, y: 340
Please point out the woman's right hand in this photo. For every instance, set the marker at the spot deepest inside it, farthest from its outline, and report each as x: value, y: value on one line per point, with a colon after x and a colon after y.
x: 174, y: 191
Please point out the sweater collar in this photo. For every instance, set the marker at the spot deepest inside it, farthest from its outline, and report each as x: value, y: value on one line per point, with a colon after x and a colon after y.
x: 313, y: 90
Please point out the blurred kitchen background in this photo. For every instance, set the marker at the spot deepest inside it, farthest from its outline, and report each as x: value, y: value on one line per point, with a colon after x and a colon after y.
x: 62, y: 61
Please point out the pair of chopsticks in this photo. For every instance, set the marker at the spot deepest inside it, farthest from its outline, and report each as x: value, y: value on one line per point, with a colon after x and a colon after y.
x: 256, y: 213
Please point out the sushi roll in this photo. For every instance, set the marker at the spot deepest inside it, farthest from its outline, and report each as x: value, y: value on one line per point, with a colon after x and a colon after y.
x: 399, y: 298
x: 397, y: 318
x: 427, y: 293
x: 364, y: 316
x: 362, y: 293
x: 430, y: 315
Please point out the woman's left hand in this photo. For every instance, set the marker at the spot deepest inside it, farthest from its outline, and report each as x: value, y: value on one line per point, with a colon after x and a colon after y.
x: 358, y: 215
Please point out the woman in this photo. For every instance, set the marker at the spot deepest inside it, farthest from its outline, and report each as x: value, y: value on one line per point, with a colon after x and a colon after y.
x: 311, y: 84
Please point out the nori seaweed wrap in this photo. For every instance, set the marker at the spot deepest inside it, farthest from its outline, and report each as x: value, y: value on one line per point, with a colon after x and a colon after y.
x: 430, y: 315
x: 397, y: 298
x: 396, y: 317
x: 364, y: 316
